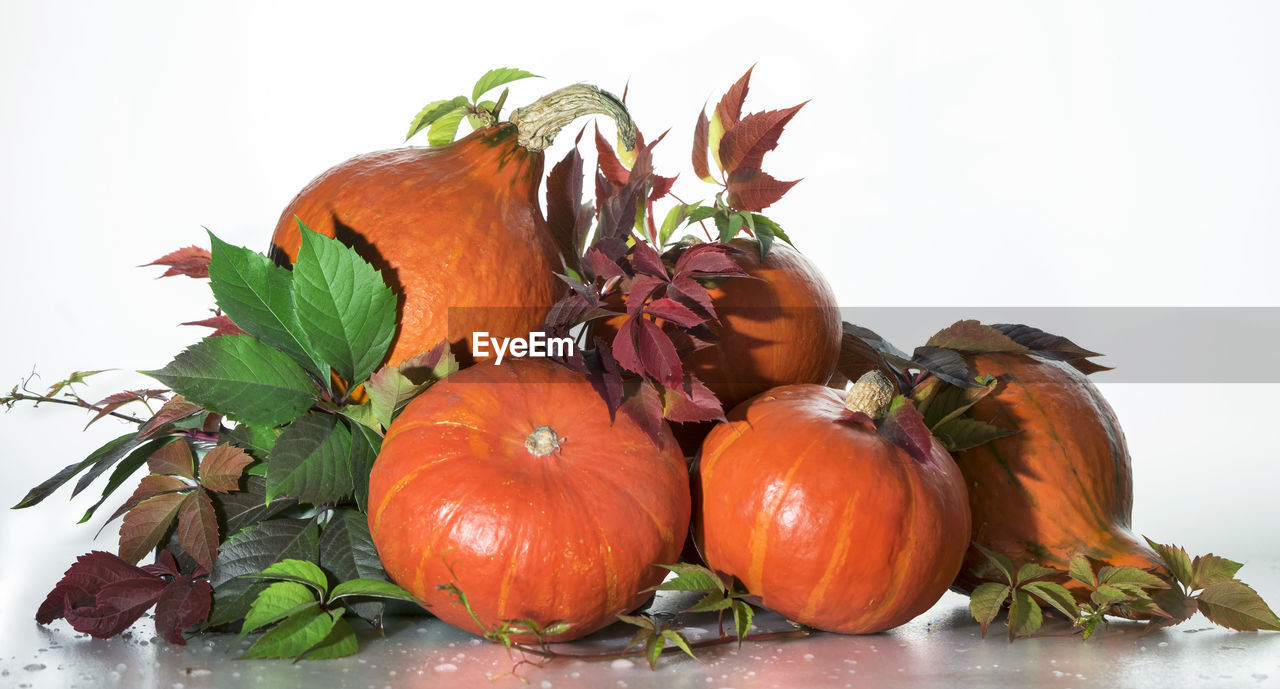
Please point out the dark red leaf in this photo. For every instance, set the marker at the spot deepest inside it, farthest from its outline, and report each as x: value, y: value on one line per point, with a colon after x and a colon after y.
x: 972, y: 336
x: 116, y: 606
x: 174, y: 410
x: 646, y: 261
x: 111, y: 403
x: 674, y: 312
x: 601, y: 265
x: 566, y: 313
x: 624, y: 346
x: 905, y: 427
x: 661, y: 187
x: 221, y: 326
x: 221, y: 468
x: 643, y: 405
x: 700, y: 146
x: 564, y: 199
x: 641, y: 290
x: 150, y: 486
x: 198, y: 528
x: 191, y: 261
x: 692, y: 294
x: 753, y: 190
x: 173, y: 459
x: 691, y: 402
x: 745, y: 144
x: 82, y: 581
x: 708, y: 260
x: 146, y: 523
x: 607, y: 159
x: 183, y: 603
x: 165, y: 563
x: 605, y: 375
x: 658, y: 354
x: 730, y: 106
x: 1051, y: 346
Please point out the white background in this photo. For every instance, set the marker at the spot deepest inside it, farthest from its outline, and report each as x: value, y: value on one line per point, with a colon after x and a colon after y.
x: 985, y: 154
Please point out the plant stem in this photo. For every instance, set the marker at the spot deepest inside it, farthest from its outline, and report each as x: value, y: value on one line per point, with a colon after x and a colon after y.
x: 705, y: 643
x: 16, y: 396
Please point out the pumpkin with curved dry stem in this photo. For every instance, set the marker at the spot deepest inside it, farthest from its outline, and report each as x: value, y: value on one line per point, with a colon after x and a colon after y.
x: 1060, y: 485
x: 824, y: 518
x: 456, y: 230
x: 511, y: 483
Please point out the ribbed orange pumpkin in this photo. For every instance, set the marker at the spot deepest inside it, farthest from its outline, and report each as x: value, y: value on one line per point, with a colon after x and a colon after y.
x: 826, y: 520
x: 511, y: 483
x: 452, y: 228
x: 1061, y: 484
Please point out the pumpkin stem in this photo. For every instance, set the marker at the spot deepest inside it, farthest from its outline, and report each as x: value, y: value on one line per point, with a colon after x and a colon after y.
x: 540, y: 121
x: 542, y: 441
x: 870, y: 395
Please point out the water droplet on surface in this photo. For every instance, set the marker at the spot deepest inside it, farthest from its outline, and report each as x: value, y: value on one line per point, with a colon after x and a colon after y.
x: 33, y: 667
x: 545, y: 684
x: 446, y: 667
x: 622, y: 664
x: 808, y: 656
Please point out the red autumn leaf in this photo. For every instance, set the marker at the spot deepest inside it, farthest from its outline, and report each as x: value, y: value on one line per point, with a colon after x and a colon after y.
x: 146, y: 523
x: 612, y: 168
x: 641, y: 290
x: 111, y: 403
x: 692, y: 294
x: 709, y: 260
x: 691, y: 402
x: 175, y: 409
x: 117, y: 606
x: 745, y: 144
x: 700, y: 146
x: 174, y: 459
x: 221, y: 468
x: 198, y: 528
x: 730, y: 106
x: 624, y: 346
x: 754, y: 190
x: 601, y: 265
x: 184, y: 603
x: 605, y: 376
x: 673, y: 311
x: 646, y: 261
x: 643, y: 405
x: 658, y: 354
x: 661, y: 187
x: 905, y: 427
x: 191, y: 261
x: 564, y: 200
x: 221, y: 326
x: 82, y: 581
x: 165, y: 563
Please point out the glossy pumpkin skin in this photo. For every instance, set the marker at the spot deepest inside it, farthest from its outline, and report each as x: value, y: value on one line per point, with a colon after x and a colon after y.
x: 826, y: 521
x: 572, y: 536
x: 1062, y: 484
x: 453, y: 226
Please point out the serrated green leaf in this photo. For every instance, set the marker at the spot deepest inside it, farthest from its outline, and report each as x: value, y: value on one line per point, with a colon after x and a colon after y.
x: 257, y: 295
x: 98, y: 461
x: 311, y: 461
x: 346, y: 548
x: 494, y: 78
x: 126, y: 468
x: 690, y: 578
x: 678, y: 639
x: 300, y: 571
x: 962, y: 434
x: 294, y: 636
x: 1133, y: 591
x: 1130, y: 575
x: 276, y: 602
x: 725, y: 229
x: 241, y: 378
x: 1025, y: 616
x: 743, y: 614
x: 365, y: 445
x: 1211, y: 569
x: 670, y: 223
x: 445, y: 128
x: 698, y: 212
x: 340, y: 642
x: 251, y: 550
x: 986, y: 601
x: 1000, y: 561
x: 345, y: 308
x: 375, y: 588
x: 1033, y: 570
x: 1106, y: 594
x: 1176, y: 561
x: 1235, y: 605
x: 434, y: 111
x: 1080, y: 570
x: 653, y: 649
x: 256, y: 440
x: 774, y: 228
x: 714, y: 601
x: 476, y: 122
x: 1056, y: 595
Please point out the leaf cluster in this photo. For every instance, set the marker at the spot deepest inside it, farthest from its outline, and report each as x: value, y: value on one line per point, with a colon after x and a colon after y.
x: 441, y: 118
x: 1207, y: 583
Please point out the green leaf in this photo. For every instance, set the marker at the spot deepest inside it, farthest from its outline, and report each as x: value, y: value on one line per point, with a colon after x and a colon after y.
x: 365, y: 445
x: 1032, y: 570
x: 445, y: 128
x: 1056, y: 595
x: 476, y: 122
x: 1000, y: 561
x: 276, y: 602
x: 256, y: 440
x: 716, y: 600
x: 346, y: 548
x: 257, y: 295
x: 1207, y: 570
x: 1131, y: 575
x: 1176, y: 560
x: 743, y: 614
x: 653, y: 649
x: 986, y: 601
x: 346, y: 310
x: 725, y: 228
x: 774, y: 228
x: 311, y: 461
x: 962, y: 434
x: 105, y: 456
x: 251, y: 550
x: 340, y: 642
x: 434, y: 111
x: 375, y: 588
x: 300, y: 571
x: 241, y: 378
x: 1025, y: 616
x: 671, y: 222
x: 294, y: 636
x: 494, y: 78
x: 126, y: 468
x: 1234, y: 605
x: 690, y: 578
x: 1080, y: 570
x: 678, y: 639
x: 1106, y: 594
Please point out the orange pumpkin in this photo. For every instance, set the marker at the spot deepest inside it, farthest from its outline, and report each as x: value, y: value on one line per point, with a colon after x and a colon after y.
x: 511, y: 483
x: 824, y: 518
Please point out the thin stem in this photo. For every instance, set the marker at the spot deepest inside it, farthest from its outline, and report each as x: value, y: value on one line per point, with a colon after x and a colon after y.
x: 16, y: 396
x: 705, y: 643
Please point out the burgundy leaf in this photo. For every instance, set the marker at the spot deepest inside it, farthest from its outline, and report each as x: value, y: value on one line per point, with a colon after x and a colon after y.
x: 710, y: 259
x: 753, y: 190
x: 601, y: 265
x: 165, y: 563
x: 730, y: 107
x: 191, y: 261
x: 624, y: 346
x: 661, y: 187
x: 1051, y: 346
x: 564, y: 199
x: 641, y: 290
x: 82, y: 582
x: 607, y: 160
x: 150, y: 486
x: 745, y: 144
x: 691, y: 402
x: 174, y: 410
x: 646, y: 261
x: 183, y: 603
x: 146, y: 523
x: 972, y: 336
x: 643, y: 405
x: 117, y: 606
x: 700, y: 146
x: 566, y: 313
x: 905, y: 427
x: 221, y: 468
x: 198, y: 528
x: 692, y: 294
x: 174, y: 459
x: 605, y: 375
x: 111, y: 403
x: 674, y: 312
x: 658, y: 354
x: 221, y: 326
